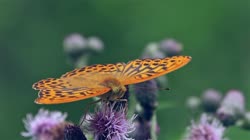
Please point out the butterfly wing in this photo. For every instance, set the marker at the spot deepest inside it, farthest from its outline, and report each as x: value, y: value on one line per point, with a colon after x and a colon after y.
x: 87, y: 82
x: 76, y: 85
x: 142, y: 70
x: 56, y: 96
x: 98, y: 70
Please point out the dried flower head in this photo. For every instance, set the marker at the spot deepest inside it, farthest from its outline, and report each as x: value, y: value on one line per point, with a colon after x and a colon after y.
x: 109, y: 124
x: 207, y: 128
x: 44, y: 125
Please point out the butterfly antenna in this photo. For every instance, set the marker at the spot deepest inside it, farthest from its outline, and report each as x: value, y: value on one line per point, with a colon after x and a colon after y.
x: 150, y: 88
x: 87, y: 109
x: 164, y: 88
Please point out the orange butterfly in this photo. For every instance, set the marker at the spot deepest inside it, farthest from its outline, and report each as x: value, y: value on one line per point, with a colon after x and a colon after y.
x: 98, y: 80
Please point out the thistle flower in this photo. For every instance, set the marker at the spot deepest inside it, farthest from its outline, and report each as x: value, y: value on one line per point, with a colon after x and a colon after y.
x: 45, y: 125
x: 206, y: 129
x: 74, y: 45
x: 109, y: 124
x: 79, y: 48
x: 211, y: 100
x: 72, y: 132
x: 171, y: 47
x: 146, y: 94
x: 95, y: 44
x: 152, y: 51
x: 142, y: 131
x: 232, y: 107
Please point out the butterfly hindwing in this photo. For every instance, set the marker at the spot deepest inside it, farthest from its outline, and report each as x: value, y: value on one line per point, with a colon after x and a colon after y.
x: 55, y: 96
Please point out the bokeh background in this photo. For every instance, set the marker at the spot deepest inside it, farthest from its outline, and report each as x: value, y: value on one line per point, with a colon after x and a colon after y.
x: 216, y: 33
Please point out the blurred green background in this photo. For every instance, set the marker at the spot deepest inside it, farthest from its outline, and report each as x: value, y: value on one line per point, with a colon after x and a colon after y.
x: 214, y: 32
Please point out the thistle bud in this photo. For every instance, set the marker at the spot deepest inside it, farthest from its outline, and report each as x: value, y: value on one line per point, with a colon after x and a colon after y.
x: 74, y: 46
x: 170, y: 47
x: 211, y: 100
x: 232, y: 107
x: 72, y: 132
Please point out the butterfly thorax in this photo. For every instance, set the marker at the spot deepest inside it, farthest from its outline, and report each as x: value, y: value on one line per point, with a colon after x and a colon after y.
x: 117, y: 89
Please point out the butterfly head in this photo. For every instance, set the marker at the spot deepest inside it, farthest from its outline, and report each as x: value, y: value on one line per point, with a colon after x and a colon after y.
x: 117, y: 89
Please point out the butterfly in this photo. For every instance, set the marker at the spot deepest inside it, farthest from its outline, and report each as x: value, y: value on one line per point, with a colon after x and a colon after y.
x: 107, y: 81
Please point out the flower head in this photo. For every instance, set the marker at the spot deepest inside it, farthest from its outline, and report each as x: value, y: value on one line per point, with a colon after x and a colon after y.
x: 152, y: 51
x: 110, y: 124
x: 206, y: 129
x: 211, y: 100
x: 43, y: 126
x: 146, y: 93
x: 95, y: 44
x: 142, y: 131
x: 232, y: 107
x: 171, y: 47
x: 74, y: 41
x: 72, y: 132
x: 79, y: 49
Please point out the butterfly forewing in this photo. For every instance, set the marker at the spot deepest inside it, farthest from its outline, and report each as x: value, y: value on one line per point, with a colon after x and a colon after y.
x: 111, y: 69
x: 142, y: 70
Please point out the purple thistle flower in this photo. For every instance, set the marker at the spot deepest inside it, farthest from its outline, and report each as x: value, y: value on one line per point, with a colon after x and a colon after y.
x: 74, y: 46
x: 211, y: 100
x: 171, y: 47
x: 74, y: 42
x: 109, y: 124
x: 207, y: 128
x: 44, y: 125
x: 79, y: 48
x: 232, y: 107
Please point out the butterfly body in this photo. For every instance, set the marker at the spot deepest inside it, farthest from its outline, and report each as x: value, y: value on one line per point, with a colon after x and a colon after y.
x: 117, y: 89
x: 107, y: 81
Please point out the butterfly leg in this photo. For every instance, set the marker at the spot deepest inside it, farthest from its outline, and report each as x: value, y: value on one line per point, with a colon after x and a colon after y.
x: 87, y: 109
x: 120, y: 104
